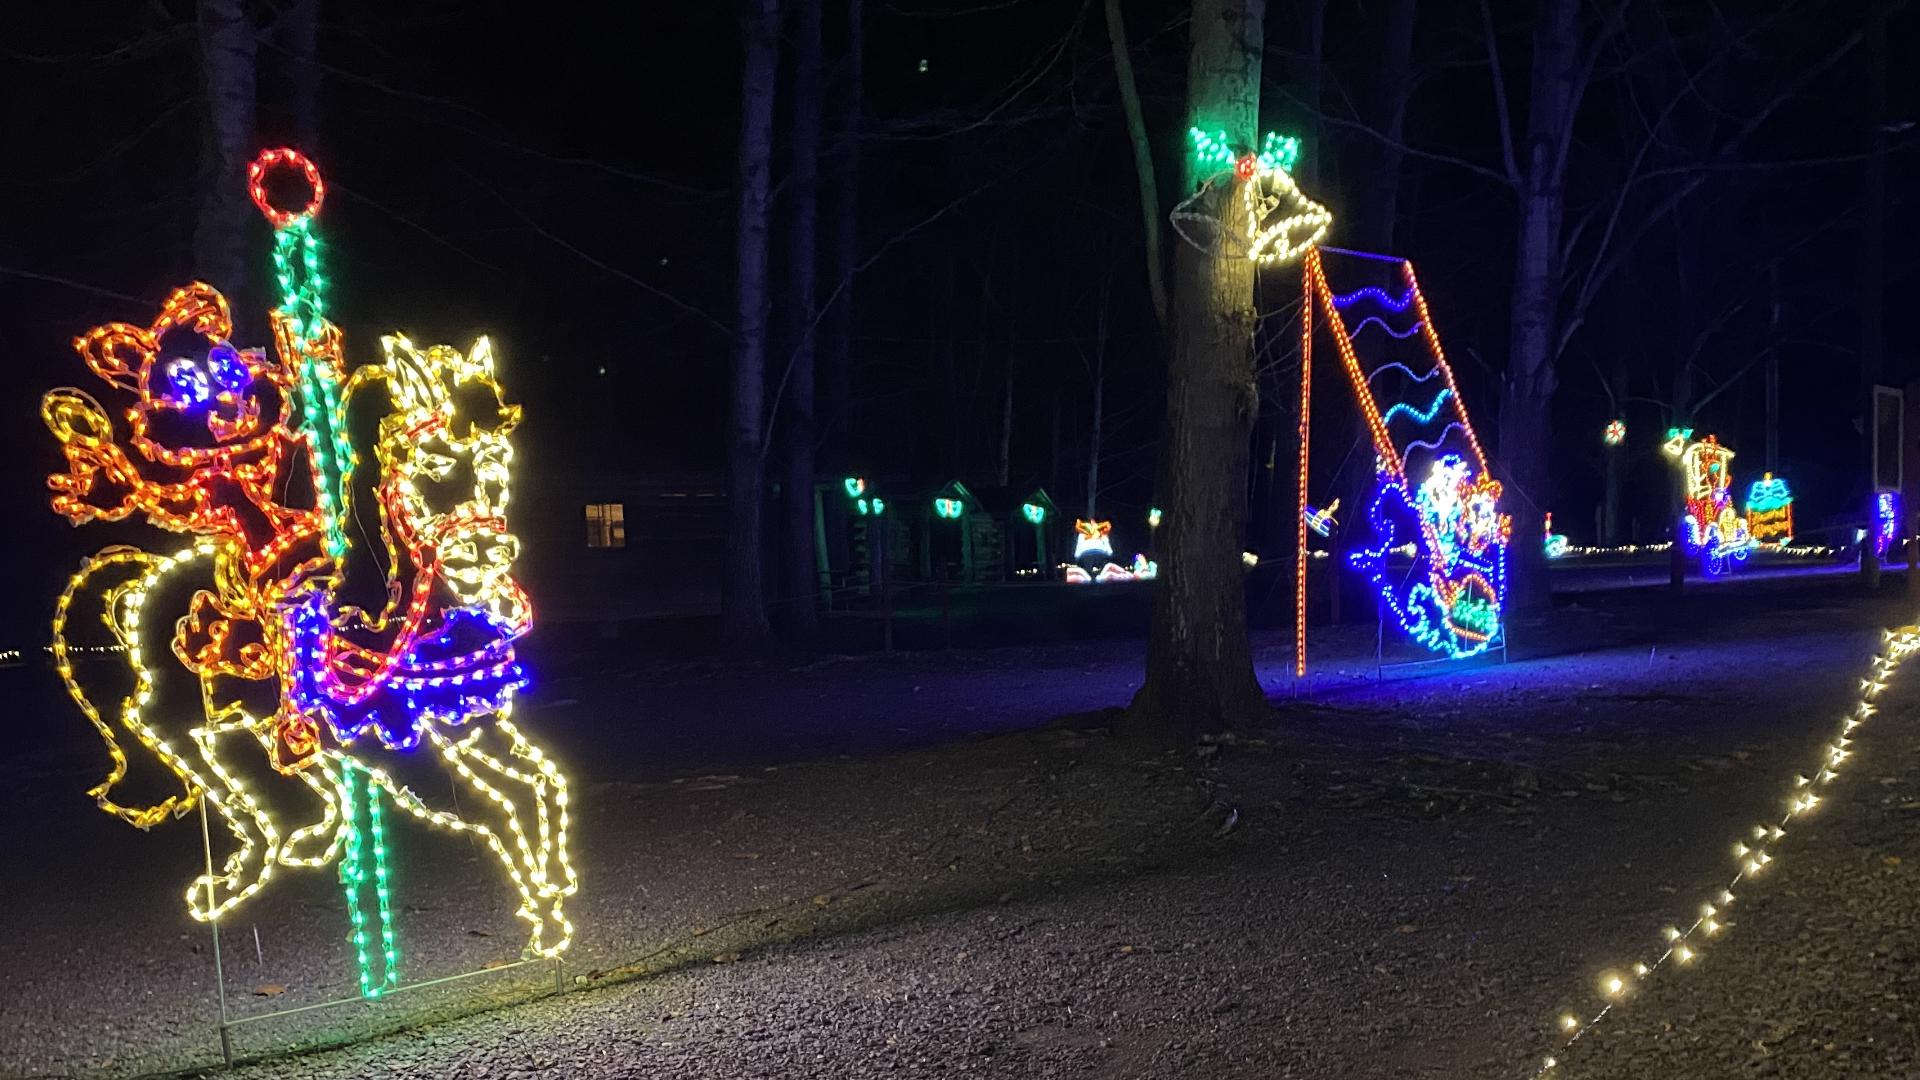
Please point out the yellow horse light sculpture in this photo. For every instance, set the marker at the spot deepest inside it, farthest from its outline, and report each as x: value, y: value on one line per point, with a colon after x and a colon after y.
x: 313, y: 661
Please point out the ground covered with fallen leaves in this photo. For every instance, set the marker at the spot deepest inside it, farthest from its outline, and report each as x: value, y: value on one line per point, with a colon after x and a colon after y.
x: 907, y: 866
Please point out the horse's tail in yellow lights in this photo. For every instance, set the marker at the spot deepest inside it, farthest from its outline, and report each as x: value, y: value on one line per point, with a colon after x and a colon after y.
x: 115, y: 581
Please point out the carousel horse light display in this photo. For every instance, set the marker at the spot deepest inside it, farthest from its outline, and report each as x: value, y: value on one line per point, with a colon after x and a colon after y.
x: 314, y: 662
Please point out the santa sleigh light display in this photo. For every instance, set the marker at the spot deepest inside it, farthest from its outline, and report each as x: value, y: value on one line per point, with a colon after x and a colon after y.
x: 1437, y: 556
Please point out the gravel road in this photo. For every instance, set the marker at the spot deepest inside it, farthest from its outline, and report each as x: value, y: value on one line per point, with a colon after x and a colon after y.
x: 1403, y: 879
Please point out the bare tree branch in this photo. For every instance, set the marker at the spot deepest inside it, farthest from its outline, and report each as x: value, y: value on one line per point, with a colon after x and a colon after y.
x: 55, y: 279
x: 1503, y: 113
x: 953, y: 13
x: 544, y: 233
x: 1606, y: 384
x: 1706, y: 332
x: 1027, y: 80
x: 1142, y: 157
x: 1604, y: 265
x: 1769, y: 166
x: 1610, y: 25
x: 1590, y: 285
x: 1365, y: 129
x: 855, y: 271
x: 1734, y: 379
x: 514, y: 143
x: 149, y: 41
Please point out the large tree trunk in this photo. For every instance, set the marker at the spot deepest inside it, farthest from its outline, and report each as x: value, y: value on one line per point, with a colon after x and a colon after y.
x: 1053, y: 441
x: 220, y: 234
x: 743, y: 596
x: 1199, y: 666
x: 1528, y: 395
x: 1094, y: 430
x: 1681, y: 409
x: 802, y: 584
x: 837, y: 373
x: 982, y: 349
x: 1615, y: 456
x: 1003, y: 461
x: 1774, y: 305
x: 1609, y: 531
x: 1097, y: 428
x: 944, y: 325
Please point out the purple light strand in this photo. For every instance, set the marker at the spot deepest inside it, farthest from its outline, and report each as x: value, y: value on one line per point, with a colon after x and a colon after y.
x: 1375, y: 320
x: 1436, y: 444
x: 1410, y: 375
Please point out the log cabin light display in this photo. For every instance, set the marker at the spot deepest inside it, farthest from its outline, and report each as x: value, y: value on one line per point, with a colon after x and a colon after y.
x: 299, y: 659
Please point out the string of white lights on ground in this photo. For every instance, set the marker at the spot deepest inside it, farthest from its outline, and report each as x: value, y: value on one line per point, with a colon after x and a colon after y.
x: 15, y: 654
x: 1804, y: 551
x: 1682, y: 945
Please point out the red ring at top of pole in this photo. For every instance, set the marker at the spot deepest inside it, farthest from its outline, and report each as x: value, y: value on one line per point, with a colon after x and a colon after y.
x: 292, y: 159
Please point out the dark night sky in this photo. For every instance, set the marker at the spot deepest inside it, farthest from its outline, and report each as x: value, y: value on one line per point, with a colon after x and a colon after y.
x: 559, y: 176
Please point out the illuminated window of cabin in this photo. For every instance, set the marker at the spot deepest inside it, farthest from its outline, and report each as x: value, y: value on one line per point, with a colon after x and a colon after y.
x: 606, y: 525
